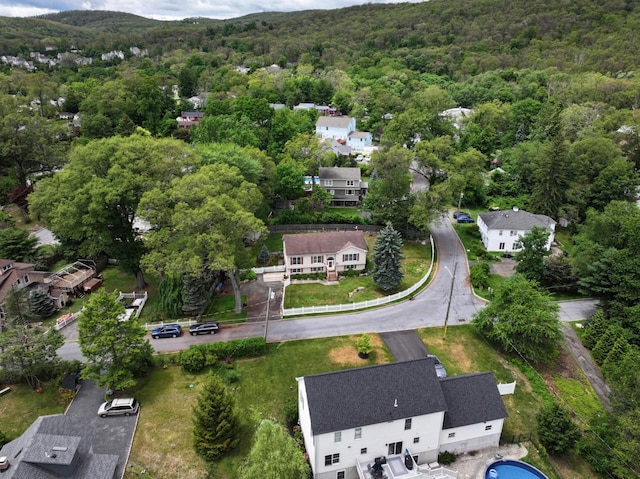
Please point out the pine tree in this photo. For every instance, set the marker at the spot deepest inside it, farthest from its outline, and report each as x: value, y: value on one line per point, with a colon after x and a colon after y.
x: 41, y: 304
x: 387, y: 258
x: 215, y: 422
x: 557, y: 432
x: 264, y: 256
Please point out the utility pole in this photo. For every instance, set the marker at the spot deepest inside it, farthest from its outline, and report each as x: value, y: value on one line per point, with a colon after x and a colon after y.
x: 453, y: 280
x: 266, y: 319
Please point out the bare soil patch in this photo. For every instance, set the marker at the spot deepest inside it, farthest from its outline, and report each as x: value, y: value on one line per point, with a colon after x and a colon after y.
x: 347, y: 353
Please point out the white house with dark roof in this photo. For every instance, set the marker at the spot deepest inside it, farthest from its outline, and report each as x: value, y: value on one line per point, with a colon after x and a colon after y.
x: 329, y: 252
x: 349, y: 418
x: 342, y: 128
x: 501, y: 230
x: 344, y: 184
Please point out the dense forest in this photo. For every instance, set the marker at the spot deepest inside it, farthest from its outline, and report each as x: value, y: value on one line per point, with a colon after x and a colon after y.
x: 552, y: 126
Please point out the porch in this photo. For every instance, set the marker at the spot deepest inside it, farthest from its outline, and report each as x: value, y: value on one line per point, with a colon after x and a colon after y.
x: 395, y: 467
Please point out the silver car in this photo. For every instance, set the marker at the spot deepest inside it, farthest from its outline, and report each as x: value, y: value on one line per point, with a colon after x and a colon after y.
x: 117, y: 407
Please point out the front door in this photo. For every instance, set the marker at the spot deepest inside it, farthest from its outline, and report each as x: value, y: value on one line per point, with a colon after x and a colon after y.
x: 330, y: 264
x: 395, y: 448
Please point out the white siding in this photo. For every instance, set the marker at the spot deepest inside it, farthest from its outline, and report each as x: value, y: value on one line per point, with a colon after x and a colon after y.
x: 492, y: 238
x: 305, y: 423
x: 472, y: 437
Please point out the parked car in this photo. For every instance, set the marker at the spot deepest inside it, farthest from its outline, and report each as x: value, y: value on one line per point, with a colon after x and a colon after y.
x: 459, y: 213
x: 441, y: 372
x: 118, y: 407
x: 210, y: 327
x: 465, y: 219
x: 167, y: 331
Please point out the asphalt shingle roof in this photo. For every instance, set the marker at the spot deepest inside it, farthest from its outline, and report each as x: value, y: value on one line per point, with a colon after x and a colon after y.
x: 358, y: 397
x: 334, y: 121
x: 471, y: 399
x: 339, y: 173
x: 514, y: 220
x: 323, y: 243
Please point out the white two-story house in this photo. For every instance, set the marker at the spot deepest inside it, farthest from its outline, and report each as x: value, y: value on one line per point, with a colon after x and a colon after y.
x: 343, y: 129
x: 501, y: 230
x: 344, y: 184
x: 391, y: 412
x: 329, y: 252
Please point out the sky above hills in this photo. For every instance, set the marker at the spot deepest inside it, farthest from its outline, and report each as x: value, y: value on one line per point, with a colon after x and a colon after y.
x: 172, y: 10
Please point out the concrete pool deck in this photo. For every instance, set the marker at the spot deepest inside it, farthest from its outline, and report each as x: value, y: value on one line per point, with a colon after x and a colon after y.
x: 474, y: 467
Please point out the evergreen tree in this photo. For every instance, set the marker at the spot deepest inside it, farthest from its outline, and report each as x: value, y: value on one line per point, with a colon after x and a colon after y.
x: 17, y: 244
x: 41, y: 304
x: 387, y: 258
x: 557, y: 432
x: 215, y: 421
x: 264, y: 256
x: 274, y: 455
x: 596, y: 327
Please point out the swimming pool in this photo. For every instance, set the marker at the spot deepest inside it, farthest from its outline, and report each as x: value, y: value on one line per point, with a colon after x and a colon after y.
x: 510, y: 469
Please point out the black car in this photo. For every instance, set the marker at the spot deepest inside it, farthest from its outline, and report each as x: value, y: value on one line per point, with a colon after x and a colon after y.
x: 211, y: 327
x: 459, y: 213
x: 465, y: 219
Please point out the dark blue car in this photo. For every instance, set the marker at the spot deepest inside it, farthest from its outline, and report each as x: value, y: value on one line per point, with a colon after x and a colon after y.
x: 167, y: 331
x: 465, y: 219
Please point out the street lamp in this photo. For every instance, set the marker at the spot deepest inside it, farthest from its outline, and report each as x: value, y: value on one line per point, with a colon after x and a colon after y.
x: 453, y: 280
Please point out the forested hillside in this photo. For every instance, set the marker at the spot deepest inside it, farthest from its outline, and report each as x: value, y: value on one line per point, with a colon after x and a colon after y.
x: 455, y: 38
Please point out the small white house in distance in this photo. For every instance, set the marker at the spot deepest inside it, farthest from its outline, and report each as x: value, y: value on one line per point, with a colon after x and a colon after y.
x: 395, y: 413
x: 329, y: 252
x: 335, y: 127
x: 501, y: 230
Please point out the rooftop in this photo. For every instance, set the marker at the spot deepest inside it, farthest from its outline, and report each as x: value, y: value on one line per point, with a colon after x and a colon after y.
x: 323, y: 243
x: 515, y: 219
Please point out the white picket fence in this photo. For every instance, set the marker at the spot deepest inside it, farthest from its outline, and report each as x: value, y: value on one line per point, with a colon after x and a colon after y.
x: 337, y: 308
x: 270, y: 269
x: 509, y: 388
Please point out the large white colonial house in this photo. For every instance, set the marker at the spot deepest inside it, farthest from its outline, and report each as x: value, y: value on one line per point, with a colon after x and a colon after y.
x: 502, y: 230
x: 329, y: 252
x: 400, y: 412
x: 343, y: 129
x: 344, y: 184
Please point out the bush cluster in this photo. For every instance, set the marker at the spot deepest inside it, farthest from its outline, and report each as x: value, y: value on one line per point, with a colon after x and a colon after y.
x: 294, y: 217
x: 198, y: 356
x: 309, y: 276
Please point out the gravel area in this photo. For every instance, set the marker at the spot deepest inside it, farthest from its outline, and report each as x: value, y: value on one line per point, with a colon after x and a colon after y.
x: 474, y: 467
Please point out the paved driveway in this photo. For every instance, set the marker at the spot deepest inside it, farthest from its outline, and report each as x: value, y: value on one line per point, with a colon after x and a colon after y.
x: 404, y: 345
x: 109, y: 435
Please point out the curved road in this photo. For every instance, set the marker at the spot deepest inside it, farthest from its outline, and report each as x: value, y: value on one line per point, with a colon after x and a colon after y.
x: 449, y: 295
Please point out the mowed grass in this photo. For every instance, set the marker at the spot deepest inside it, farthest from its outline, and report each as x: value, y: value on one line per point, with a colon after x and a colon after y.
x: 415, y: 264
x: 163, y: 442
x: 20, y: 407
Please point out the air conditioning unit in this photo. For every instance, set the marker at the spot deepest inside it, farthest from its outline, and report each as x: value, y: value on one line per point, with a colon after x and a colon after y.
x: 4, y: 463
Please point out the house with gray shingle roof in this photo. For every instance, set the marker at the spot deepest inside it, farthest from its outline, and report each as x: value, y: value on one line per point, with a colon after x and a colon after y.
x: 53, y: 447
x: 344, y: 184
x: 349, y: 418
x: 328, y: 252
x: 501, y: 230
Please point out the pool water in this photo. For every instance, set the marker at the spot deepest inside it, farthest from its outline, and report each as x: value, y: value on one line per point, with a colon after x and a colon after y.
x: 510, y: 469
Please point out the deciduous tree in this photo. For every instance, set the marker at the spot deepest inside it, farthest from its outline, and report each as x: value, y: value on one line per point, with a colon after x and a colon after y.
x: 533, y: 251
x: 114, y: 347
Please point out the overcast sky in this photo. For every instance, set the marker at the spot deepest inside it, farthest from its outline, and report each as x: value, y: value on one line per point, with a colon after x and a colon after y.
x: 172, y: 9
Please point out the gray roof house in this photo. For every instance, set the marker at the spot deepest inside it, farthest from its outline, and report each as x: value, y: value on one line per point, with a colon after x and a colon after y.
x: 53, y: 447
x: 351, y: 417
x: 501, y: 230
x: 344, y: 184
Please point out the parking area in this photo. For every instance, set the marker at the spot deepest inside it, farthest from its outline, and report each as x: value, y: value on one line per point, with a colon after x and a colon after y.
x: 110, y: 435
x: 505, y: 267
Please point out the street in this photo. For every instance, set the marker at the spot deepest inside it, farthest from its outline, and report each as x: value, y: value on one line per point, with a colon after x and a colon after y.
x: 448, y: 297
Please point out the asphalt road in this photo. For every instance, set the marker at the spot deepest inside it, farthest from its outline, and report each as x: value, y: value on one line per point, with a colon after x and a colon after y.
x: 448, y: 298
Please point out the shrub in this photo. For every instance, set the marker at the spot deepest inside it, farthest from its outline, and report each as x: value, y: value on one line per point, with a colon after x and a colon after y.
x: 364, y: 345
x: 232, y: 376
x: 351, y: 273
x: 3, y: 439
x: 192, y: 360
x: 445, y: 458
x: 248, y: 275
x: 479, y: 275
x: 291, y: 409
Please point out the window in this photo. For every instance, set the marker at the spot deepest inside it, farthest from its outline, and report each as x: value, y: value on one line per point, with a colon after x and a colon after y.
x: 416, y: 440
x: 363, y: 450
x: 296, y: 260
x: 513, y: 233
x: 350, y: 266
x: 296, y: 270
x: 19, y: 281
x: 351, y: 183
x: 407, y: 424
x: 358, y: 433
x: 340, y: 475
x: 452, y: 434
x: 488, y: 428
x: 332, y: 192
x: 350, y: 193
x: 317, y: 269
x: 501, y: 246
x: 337, y: 436
x: 350, y: 257
x: 26, y: 278
x: 331, y: 459
x: 328, y: 182
x: 500, y: 233
x: 317, y: 259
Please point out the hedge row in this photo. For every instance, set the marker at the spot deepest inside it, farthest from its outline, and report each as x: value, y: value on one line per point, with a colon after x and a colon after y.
x: 199, y: 356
